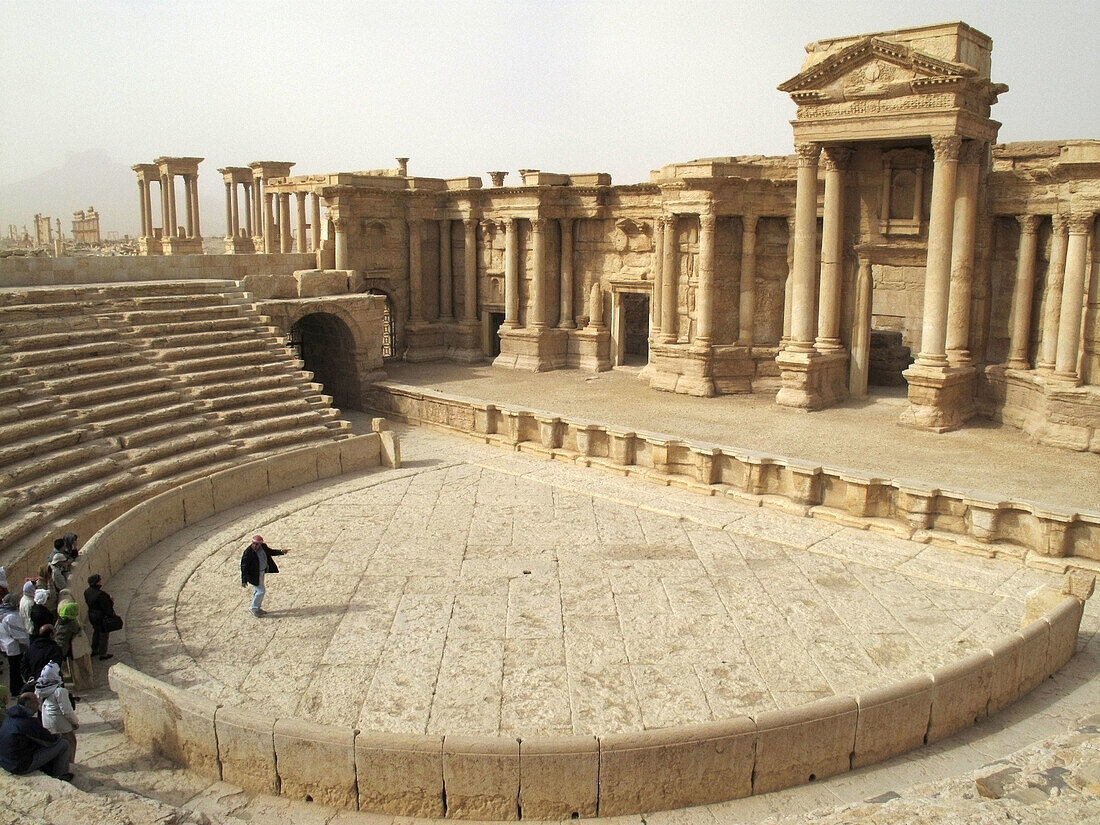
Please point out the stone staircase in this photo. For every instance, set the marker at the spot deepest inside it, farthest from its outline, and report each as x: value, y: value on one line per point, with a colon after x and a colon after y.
x: 110, y: 394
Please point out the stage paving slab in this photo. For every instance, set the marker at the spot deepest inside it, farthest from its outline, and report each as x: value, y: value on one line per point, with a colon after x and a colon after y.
x: 983, y: 457
x: 486, y: 592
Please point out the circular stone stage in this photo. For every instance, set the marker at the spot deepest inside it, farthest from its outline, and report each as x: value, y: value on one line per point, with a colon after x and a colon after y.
x: 480, y: 591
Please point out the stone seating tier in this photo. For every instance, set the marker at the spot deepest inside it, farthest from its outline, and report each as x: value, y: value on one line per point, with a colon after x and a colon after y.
x: 114, y: 392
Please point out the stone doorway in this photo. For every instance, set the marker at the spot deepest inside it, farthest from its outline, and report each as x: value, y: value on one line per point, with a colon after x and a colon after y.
x: 635, y: 329
x: 496, y: 321
x: 326, y: 345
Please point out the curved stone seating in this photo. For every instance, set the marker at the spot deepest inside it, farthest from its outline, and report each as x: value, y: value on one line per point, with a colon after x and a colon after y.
x: 115, y: 392
x: 1054, y: 539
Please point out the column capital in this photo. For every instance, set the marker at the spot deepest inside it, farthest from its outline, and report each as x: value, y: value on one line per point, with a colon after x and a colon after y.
x: 508, y: 224
x: 339, y: 224
x: 1080, y: 223
x: 537, y: 224
x: 707, y: 221
x: 972, y: 152
x: 748, y: 223
x: 808, y: 153
x: 837, y: 158
x: 946, y: 147
x: 1059, y: 223
x: 469, y: 223
x: 1029, y: 224
x: 668, y: 221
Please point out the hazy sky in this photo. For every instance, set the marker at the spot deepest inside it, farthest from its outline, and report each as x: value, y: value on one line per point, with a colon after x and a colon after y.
x: 465, y: 87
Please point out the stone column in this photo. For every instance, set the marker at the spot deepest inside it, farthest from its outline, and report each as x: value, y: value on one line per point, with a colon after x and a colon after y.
x: 258, y: 210
x: 196, y: 228
x: 236, y: 210
x: 746, y: 310
x: 832, y: 250
x: 1073, y: 294
x: 566, y: 320
x: 269, y: 225
x: 148, y: 208
x: 446, y: 312
x: 229, y: 210
x: 341, y: 225
x: 962, y: 254
x: 469, y: 227
x: 284, y: 222
x: 1024, y: 289
x: 511, y: 275
x: 669, y: 276
x: 165, y: 214
x: 301, y: 198
x: 538, y: 276
x: 172, y: 206
x: 1056, y: 275
x: 188, y: 207
x: 805, y: 249
x: 704, y: 299
x: 658, y: 279
x: 937, y: 278
x: 861, y: 333
x: 145, y: 232
x: 788, y: 287
x: 246, y: 188
x: 316, y: 222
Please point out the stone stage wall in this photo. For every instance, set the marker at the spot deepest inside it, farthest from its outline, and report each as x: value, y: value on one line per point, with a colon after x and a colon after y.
x: 25, y: 271
x: 1045, y: 537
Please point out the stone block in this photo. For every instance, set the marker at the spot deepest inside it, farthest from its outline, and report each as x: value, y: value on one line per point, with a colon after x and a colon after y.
x: 176, y: 723
x: 892, y: 720
x: 198, y: 500
x: 266, y: 287
x: 1004, y: 678
x: 1065, y: 621
x: 360, y: 452
x: 559, y: 777
x: 1031, y: 666
x: 390, y: 451
x: 675, y: 767
x: 960, y: 697
x: 327, y: 458
x: 239, y: 484
x: 1079, y: 584
x: 378, y: 425
x: 805, y: 743
x: 316, y: 762
x: 315, y: 283
x: 246, y: 749
x: 481, y: 775
x: 290, y: 470
x: 400, y: 774
x: 125, y: 538
x: 166, y: 515
x: 1039, y: 602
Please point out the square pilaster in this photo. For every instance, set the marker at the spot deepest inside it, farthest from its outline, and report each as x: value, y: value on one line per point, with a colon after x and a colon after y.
x: 812, y: 380
x: 940, y: 398
x: 536, y: 349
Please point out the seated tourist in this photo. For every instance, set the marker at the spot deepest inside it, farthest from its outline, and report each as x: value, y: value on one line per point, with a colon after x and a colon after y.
x: 43, y: 649
x: 26, y: 746
x: 58, y: 710
x: 40, y: 612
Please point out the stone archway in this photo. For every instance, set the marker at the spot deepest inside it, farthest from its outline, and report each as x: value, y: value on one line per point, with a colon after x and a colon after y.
x: 327, y: 346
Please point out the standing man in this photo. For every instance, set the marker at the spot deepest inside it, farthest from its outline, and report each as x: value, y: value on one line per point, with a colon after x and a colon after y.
x: 101, y: 616
x: 256, y: 562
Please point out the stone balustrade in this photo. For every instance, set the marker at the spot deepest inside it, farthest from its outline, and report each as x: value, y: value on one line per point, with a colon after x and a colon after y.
x: 1043, y: 536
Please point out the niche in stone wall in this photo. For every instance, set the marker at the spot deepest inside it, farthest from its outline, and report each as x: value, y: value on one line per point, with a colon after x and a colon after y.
x: 373, y: 242
x: 633, y: 242
x: 902, y: 209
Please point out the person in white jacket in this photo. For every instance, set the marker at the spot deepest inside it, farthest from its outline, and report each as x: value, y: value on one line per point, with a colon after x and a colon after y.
x: 58, y: 713
x: 13, y: 641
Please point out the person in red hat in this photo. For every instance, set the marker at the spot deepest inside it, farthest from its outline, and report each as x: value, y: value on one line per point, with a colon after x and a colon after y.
x: 256, y: 562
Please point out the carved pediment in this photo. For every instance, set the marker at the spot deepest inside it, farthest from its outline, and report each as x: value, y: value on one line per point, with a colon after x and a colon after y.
x: 875, y: 68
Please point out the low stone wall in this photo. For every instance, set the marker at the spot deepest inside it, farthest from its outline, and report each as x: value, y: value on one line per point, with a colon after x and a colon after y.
x: 1053, y: 539
x: 17, y: 270
x: 496, y: 778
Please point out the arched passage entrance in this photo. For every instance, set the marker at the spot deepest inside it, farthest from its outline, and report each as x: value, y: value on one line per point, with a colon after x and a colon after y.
x: 327, y: 346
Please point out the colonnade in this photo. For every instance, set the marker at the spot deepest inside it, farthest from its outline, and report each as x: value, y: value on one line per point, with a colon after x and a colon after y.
x: 168, y: 206
x: 274, y: 218
x: 1060, y: 349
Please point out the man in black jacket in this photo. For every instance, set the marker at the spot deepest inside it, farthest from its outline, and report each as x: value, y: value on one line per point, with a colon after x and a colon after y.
x: 26, y: 746
x: 101, y: 610
x: 256, y: 562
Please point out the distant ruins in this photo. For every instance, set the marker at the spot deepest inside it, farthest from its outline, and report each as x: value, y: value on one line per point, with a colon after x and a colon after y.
x: 899, y: 235
x: 86, y: 226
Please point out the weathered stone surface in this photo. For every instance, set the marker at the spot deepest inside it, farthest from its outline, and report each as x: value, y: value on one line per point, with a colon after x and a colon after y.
x: 482, y: 777
x: 400, y: 774
x: 316, y: 762
x: 559, y: 777
x: 246, y: 749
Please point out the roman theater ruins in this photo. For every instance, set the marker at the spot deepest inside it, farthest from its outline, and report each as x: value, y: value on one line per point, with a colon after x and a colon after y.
x: 764, y: 487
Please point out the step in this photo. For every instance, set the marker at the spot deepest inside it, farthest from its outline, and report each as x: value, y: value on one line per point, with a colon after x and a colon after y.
x: 173, y: 328
x: 181, y: 315
x: 249, y: 428
x: 137, y: 420
x: 200, y: 457
x: 88, y: 366
x: 152, y: 453
x: 270, y: 391
x: 21, y: 430
x: 21, y: 410
x: 161, y: 432
x: 87, y: 398
x: 136, y: 370
x: 123, y: 406
x: 256, y: 411
x: 211, y: 363
x: 17, y: 451
x: 19, y: 524
x: 114, y: 291
x: 66, y: 335
x: 219, y: 384
x: 190, y: 354
x: 70, y: 353
x: 23, y: 474
x: 69, y: 478
x: 288, y: 439
x: 176, y: 340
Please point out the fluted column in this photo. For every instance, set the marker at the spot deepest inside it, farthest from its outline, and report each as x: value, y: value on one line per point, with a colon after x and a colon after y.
x: 565, y: 321
x: 704, y: 298
x: 670, y: 272
x: 937, y: 278
x: 416, y: 270
x: 805, y: 249
x: 1023, y: 291
x: 269, y: 224
x: 1056, y: 275
x: 446, y: 311
x: 832, y: 250
x: 341, y: 225
x: 788, y: 286
x: 316, y: 221
x: 284, y: 222
x: 1073, y: 294
x: 511, y: 275
x: 962, y: 254
x: 301, y: 198
x: 538, y: 276
x: 469, y: 296
x: 229, y: 209
x: 746, y: 309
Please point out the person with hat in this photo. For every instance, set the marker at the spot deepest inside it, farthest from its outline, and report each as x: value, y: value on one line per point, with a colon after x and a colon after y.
x: 14, y: 641
x: 101, y: 616
x: 26, y: 602
x: 60, y: 565
x: 40, y: 612
x: 26, y: 746
x: 256, y: 562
